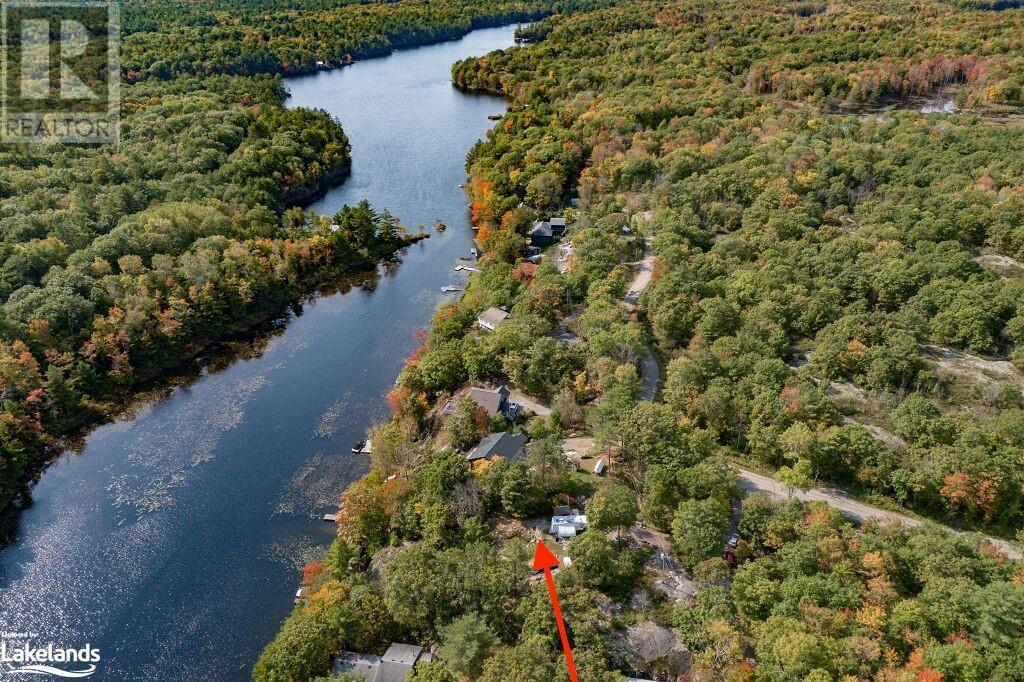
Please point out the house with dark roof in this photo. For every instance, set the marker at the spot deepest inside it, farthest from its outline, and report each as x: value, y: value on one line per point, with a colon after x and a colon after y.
x: 540, y: 234
x: 396, y: 663
x: 503, y: 444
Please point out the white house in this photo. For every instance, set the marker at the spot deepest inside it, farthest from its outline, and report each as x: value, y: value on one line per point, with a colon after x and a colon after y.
x: 568, y: 525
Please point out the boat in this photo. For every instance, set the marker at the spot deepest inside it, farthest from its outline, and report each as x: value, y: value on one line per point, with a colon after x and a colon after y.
x: 450, y: 289
x: 473, y: 252
x: 358, y: 447
x: 494, y: 117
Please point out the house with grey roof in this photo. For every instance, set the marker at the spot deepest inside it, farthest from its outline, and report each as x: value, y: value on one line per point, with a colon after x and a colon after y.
x: 492, y: 400
x: 491, y: 318
x: 557, y: 226
x: 503, y: 444
x: 396, y: 663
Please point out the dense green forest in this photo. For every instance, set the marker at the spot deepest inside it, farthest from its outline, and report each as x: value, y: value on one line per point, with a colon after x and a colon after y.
x: 291, y: 36
x: 119, y: 262
x: 833, y: 194
x: 800, y: 251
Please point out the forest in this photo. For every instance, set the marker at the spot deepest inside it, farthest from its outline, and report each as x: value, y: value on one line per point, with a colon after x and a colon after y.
x: 832, y: 193
x: 119, y: 262
x: 298, y: 36
x: 803, y: 254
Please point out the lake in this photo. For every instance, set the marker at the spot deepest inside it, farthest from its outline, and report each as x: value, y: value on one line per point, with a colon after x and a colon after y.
x: 172, y: 539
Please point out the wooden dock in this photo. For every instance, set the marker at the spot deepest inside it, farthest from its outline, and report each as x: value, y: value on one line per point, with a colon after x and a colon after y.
x: 333, y: 518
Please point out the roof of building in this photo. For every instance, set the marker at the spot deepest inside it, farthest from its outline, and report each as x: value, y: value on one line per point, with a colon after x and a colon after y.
x: 541, y: 228
x: 578, y: 521
x: 396, y: 663
x: 557, y: 222
x: 364, y: 665
x: 489, y: 399
x: 493, y: 316
x: 501, y: 444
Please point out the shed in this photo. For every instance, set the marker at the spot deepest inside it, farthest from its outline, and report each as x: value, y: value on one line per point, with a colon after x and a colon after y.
x: 557, y: 226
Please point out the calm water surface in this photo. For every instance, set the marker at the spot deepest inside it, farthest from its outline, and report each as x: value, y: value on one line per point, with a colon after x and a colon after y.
x: 172, y: 539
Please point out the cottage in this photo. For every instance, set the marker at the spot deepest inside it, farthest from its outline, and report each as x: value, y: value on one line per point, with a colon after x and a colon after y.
x: 494, y: 401
x: 394, y: 666
x: 557, y: 226
x: 503, y: 444
x: 491, y: 318
x: 567, y: 526
x: 540, y: 234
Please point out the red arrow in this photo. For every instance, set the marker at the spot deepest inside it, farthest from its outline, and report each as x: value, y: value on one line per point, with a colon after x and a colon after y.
x: 544, y: 559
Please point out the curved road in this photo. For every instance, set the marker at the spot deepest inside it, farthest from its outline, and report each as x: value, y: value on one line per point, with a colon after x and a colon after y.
x: 849, y: 506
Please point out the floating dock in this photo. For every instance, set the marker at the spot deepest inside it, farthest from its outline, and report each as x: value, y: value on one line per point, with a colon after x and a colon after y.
x: 333, y: 518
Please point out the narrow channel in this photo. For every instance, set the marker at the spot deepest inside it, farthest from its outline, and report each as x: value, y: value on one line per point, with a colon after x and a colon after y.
x: 172, y: 538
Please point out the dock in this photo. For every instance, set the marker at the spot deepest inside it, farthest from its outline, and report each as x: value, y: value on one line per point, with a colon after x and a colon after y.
x: 333, y: 518
x: 367, y: 449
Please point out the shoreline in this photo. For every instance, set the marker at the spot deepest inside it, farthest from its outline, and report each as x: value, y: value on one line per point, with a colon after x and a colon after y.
x: 165, y: 380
